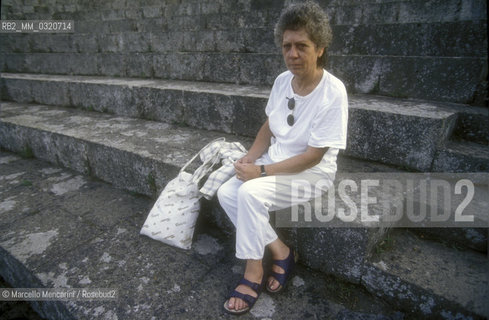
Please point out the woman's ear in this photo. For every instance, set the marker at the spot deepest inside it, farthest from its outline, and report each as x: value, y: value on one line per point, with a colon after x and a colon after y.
x: 320, y: 52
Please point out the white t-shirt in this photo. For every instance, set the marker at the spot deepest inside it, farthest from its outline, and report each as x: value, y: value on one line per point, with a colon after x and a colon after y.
x: 321, y: 120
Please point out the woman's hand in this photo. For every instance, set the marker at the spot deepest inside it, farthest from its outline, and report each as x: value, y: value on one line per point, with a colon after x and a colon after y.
x: 246, y: 171
x: 246, y: 159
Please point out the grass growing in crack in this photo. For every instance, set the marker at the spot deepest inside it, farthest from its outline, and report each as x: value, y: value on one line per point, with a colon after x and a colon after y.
x: 152, y: 183
x: 26, y: 183
x: 385, y: 245
x: 27, y: 152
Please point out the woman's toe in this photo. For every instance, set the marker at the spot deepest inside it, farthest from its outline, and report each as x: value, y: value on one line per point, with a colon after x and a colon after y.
x: 231, y: 303
x: 239, y: 305
x: 272, y: 283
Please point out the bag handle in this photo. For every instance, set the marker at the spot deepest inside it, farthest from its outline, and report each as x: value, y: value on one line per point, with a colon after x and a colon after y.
x: 201, y: 171
x: 198, y: 153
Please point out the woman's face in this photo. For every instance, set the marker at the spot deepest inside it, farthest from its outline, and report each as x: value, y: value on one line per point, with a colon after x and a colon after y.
x: 300, y: 53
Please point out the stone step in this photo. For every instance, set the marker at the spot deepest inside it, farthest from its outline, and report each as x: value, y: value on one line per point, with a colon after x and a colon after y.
x: 472, y: 125
x: 411, y: 39
x: 411, y: 76
x: 462, y: 156
x: 60, y: 230
x: 457, y: 78
x: 459, y: 238
x: 150, y: 36
x: 115, y: 15
x: 430, y: 279
x: 133, y: 154
x: 224, y: 107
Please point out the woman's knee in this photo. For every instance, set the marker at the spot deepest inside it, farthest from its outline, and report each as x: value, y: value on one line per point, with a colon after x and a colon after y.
x: 249, y: 189
x: 222, y: 194
x: 226, y: 191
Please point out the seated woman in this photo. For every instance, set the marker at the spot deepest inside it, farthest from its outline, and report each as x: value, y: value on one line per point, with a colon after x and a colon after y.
x: 306, y: 126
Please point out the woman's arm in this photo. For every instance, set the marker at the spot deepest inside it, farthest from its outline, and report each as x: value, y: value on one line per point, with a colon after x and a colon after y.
x: 260, y: 145
x: 311, y: 157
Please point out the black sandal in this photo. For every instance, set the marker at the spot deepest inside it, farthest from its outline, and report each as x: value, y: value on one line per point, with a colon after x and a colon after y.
x: 288, y: 265
x: 250, y: 300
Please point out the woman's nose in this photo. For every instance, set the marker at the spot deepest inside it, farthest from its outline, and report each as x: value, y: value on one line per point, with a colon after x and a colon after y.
x: 292, y: 53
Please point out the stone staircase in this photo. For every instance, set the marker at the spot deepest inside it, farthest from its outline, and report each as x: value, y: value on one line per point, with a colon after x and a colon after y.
x: 141, y: 86
x: 116, y: 144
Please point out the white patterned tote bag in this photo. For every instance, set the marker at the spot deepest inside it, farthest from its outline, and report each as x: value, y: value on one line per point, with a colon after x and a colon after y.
x: 173, y: 216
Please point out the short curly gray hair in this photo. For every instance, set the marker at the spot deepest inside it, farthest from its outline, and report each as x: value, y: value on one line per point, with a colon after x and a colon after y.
x: 310, y: 17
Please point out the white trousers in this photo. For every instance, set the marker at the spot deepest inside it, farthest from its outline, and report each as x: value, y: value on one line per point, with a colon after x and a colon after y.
x: 247, y: 205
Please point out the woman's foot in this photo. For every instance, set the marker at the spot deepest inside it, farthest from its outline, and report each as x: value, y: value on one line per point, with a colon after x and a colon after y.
x: 280, y: 254
x: 253, y: 274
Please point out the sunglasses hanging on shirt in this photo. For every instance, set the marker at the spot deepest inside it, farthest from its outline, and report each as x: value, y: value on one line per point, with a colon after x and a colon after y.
x: 291, y: 106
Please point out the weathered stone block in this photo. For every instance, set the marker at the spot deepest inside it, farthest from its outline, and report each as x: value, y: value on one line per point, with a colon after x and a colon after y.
x: 42, y: 92
x: 229, y: 40
x: 47, y: 63
x: 112, y: 14
x: 85, y: 43
x: 462, y: 157
x: 260, y: 40
x: 15, y: 62
x: 16, y: 90
x: 61, y: 43
x: 111, y: 64
x: 139, y: 65
x: 456, y: 78
x: 473, y: 126
x: 250, y: 20
x: 414, y: 276
x: 204, y: 41
x: 135, y: 42
x: 110, y: 42
x: 160, y: 105
x: 167, y: 41
x: 41, y: 43
x: 221, y: 67
x: 453, y: 39
x: 473, y: 238
x: 208, y: 111
x: 104, y: 98
x: 347, y: 15
x: 183, y: 66
x: 252, y: 109
x: 13, y: 43
x: 58, y: 149
x: 93, y: 24
x: 360, y: 74
x: 420, y: 11
x: 134, y: 13
x: 414, y: 130
x: 81, y: 63
x: 153, y: 25
x: 152, y: 12
x: 133, y: 154
x: 209, y: 8
x: 260, y: 69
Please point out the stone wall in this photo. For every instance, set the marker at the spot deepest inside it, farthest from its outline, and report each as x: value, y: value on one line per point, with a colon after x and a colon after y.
x: 434, y: 50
